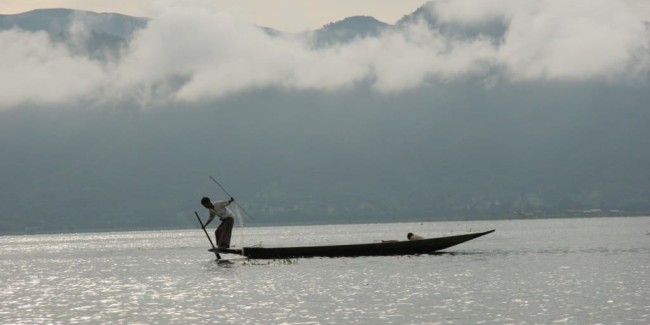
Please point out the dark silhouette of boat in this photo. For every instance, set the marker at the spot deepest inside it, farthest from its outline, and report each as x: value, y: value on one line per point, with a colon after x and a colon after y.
x: 408, y: 247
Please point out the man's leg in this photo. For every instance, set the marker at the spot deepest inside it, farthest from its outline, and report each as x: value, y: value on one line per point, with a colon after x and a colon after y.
x: 224, y: 232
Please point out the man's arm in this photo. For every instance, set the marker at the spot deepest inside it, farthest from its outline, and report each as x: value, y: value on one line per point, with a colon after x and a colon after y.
x: 225, y: 203
x: 210, y: 218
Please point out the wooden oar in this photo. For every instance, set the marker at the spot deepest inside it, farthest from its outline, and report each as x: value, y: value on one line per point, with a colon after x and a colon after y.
x: 206, y: 233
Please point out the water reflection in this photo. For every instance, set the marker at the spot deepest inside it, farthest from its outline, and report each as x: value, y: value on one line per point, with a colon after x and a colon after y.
x: 528, y: 273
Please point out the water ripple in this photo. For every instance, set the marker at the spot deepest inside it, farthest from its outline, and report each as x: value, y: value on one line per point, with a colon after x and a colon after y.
x: 524, y: 274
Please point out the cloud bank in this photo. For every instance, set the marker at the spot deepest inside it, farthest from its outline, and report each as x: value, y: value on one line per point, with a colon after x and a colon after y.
x: 192, y: 54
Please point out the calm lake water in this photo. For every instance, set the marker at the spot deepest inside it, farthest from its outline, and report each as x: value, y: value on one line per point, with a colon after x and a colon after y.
x: 567, y: 271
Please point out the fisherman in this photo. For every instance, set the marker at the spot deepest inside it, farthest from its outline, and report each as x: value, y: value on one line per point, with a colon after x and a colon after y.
x: 412, y: 236
x: 220, y: 209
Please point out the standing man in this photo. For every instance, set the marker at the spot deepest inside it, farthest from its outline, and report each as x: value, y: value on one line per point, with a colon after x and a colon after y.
x: 220, y: 209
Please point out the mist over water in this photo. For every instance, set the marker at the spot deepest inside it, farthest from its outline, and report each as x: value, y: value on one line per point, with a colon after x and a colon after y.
x: 572, y: 271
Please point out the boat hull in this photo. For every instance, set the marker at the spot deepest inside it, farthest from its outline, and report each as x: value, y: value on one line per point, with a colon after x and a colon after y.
x: 425, y: 246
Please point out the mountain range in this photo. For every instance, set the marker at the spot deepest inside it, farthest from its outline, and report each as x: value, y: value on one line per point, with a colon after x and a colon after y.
x: 449, y: 149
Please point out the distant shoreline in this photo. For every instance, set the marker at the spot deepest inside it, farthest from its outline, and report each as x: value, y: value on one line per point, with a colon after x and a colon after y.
x: 322, y: 223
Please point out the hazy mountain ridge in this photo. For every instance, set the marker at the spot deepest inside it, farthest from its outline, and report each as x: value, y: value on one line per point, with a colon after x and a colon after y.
x: 494, y: 28
x: 107, y: 170
x: 447, y: 149
x: 348, y: 29
x: 108, y: 32
x: 59, y: 21
x: 98, y: 35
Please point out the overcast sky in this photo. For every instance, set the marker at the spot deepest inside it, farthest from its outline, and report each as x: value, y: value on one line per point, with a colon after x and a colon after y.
x: 193, y: 41
x: 287, y: 15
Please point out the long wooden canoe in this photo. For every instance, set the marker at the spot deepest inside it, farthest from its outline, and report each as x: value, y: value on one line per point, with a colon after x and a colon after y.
x: 424, y: 246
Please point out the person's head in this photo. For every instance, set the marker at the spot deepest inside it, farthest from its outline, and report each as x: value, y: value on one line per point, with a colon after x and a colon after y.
x: 205, y: 201
x: 409, y: 235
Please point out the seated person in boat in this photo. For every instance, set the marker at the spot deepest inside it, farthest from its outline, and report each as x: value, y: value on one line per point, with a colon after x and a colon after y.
x: 412, y: 236
x: 220, y: 209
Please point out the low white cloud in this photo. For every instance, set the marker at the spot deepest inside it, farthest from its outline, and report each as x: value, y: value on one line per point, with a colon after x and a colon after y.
x: 573, y: 40
x: 552, y: 39
x: 34, y: 70
x: 195, y: 54
x: 407, y: 58
x: 477, y: 11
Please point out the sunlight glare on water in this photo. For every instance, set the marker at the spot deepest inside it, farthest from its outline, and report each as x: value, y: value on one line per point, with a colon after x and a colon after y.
x: 571, y: 271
